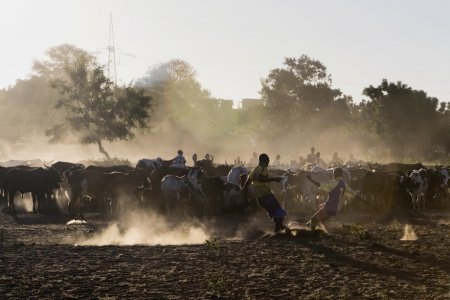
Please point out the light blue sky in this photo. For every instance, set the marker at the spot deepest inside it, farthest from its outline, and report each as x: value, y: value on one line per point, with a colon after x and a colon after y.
x: 233, y: 44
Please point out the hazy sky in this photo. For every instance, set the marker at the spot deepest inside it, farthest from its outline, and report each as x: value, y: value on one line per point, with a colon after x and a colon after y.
x: 233, y: 44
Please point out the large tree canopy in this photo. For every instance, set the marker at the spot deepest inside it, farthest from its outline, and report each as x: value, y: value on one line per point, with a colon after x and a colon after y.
x: 408, y: 120
x: 299, y: 99
x: 58, y: 59
x: 176, y: 91
x: 97, y: 110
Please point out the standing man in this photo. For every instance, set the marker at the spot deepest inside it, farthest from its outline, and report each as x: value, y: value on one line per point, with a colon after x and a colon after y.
x: 259, y: 178
x: 277, y: 162
x: 311, y: 158
x: 336, y: 160
x: 319, y: 161
x: 254, y: 160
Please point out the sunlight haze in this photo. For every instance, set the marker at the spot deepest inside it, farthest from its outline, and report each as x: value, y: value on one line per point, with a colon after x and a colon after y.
x: 233, y: 44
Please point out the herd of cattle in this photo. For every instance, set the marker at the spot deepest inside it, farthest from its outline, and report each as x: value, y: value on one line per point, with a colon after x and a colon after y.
x: 208, y: 189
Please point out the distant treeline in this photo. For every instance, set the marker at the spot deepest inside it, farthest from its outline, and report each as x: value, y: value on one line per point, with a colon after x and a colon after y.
x: 68, y: 97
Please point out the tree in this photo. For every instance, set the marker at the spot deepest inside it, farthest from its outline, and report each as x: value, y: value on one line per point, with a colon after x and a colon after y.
x: 176, y: 91
x: 407, y: 120
x: 97, y: 110
x: 300, y: 96
x: 58, y: 59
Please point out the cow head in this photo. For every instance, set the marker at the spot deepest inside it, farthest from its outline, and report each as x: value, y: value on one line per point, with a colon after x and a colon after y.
x: 445, y: 176
x: 159, y: 162
x: 53, y: 178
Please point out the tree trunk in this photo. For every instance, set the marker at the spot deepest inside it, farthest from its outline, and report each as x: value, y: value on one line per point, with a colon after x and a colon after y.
x: 102, y: 150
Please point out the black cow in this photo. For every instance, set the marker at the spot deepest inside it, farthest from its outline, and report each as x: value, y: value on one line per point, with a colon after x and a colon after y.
x: 384, y: 190
x: 105, y: 188
x: 3, y: 171
x: 213, y: 170
x: 39, y: 182
x: 118, y: 168
x: 396, y: 167
x: 63, y: 166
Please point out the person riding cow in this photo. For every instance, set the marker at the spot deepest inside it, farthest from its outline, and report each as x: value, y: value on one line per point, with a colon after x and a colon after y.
x: 179, y: 161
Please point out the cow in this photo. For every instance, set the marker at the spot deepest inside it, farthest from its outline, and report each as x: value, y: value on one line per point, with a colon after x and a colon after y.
x: 418, y: 193
x: 118, y: 168
x: 62, y: 166
x: 158, y: 174
x: 212, y: 170
x: 437, y: 182
x: 356, y: 173
x: 64, y: 169
x: 234, y: 175
x: 39, y: 182
x: 151, y: 163
x: 396, y: 167
x: 370, y: 186
x: 183, y: 193
x: 224, y: 197
x: 106, y: 188
x: 3, y: 171
x: 383, y: 191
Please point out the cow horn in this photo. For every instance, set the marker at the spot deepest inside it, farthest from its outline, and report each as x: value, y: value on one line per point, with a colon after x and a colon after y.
x: 226, y: 164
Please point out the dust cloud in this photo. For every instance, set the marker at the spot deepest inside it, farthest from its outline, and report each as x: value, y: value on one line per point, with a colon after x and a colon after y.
x: 24, y: 203
x: 409, y: 234
x: 139, y: 228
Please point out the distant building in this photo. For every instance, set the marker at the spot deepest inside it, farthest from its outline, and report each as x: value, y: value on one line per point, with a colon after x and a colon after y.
x: 226, y: 104
x: 223, y: 103
x: 247, y: 103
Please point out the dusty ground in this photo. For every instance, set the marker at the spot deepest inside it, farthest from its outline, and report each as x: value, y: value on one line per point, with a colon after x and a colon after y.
x: 358, y: 259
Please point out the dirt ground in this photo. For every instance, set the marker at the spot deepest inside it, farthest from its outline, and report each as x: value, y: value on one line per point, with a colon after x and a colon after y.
x: 360, y: 258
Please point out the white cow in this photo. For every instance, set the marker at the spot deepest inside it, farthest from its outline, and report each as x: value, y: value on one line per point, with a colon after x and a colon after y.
x: 234, y: 176
x: 178, y: 191
x: 418, y: 193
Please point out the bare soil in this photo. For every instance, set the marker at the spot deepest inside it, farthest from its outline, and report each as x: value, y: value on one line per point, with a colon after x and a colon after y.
x: 359, y: 258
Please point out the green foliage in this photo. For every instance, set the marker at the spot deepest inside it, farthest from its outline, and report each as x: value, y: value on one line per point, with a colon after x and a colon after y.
x: 213, y: 245
x: 176, y: 91
x: 96, y: 109
x: 303, y: 84
x: 300, y: 107
x: 27, y: 106
x: 406, y: 119
x: 58, y: 59
x: 216, y: 285
x: 301, y: 95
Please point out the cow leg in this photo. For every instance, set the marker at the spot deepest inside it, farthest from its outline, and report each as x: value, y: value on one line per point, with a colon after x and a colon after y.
x: 73, y: 205
x: 416, y: 202
x: 423, y: 202
x: 34, y: 199
x: 11, y: 207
